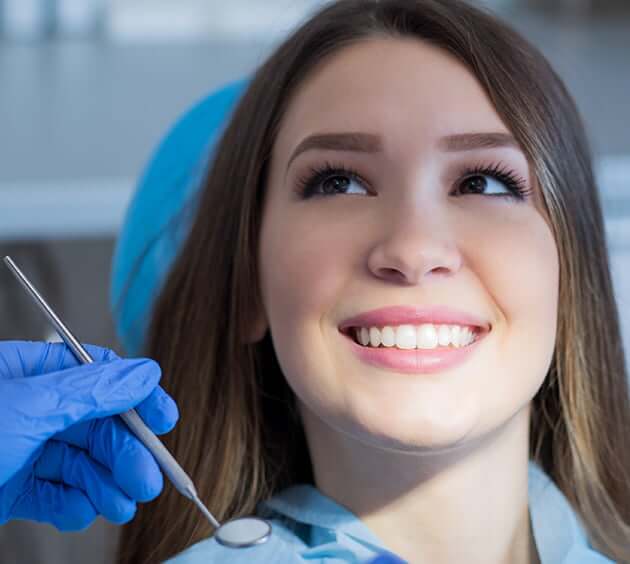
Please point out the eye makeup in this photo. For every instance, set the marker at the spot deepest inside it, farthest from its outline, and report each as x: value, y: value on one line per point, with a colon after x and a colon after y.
x: 316, y: 182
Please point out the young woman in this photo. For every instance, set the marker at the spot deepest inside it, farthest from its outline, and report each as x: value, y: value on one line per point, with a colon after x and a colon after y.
x: 392, y: 325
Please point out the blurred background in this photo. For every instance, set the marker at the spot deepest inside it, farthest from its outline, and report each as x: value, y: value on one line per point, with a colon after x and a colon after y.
x: 88, y: 88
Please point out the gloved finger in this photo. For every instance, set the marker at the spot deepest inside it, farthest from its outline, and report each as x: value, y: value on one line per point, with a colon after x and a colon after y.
x: 111, y: 443
x: 65, y: 507
x: 159, y: 411
x: 56, y: 401
x: 34, y: 358
x: 60, y: 462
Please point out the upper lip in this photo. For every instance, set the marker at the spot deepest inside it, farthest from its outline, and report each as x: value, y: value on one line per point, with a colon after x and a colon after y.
x: 414, y: 315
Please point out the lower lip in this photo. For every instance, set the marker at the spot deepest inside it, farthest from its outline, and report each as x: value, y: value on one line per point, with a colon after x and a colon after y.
x: 414, y: 361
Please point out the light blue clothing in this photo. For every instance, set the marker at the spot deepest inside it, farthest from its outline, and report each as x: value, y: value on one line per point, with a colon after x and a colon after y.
x: 310, y: 527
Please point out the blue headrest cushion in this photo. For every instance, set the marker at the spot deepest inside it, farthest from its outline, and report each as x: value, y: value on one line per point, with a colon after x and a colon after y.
x: 156, y: 222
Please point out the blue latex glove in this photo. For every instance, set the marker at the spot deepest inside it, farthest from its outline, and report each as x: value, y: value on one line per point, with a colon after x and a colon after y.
x: 386, y: 559
x: 63, y: 458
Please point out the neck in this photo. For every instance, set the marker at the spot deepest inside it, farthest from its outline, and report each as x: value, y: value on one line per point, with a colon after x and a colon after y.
x: 462, y: 505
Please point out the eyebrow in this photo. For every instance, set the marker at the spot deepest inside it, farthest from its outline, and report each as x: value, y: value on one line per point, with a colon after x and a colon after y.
x: 359, y: 142
x: 473, y: 141
x: 372, y: 143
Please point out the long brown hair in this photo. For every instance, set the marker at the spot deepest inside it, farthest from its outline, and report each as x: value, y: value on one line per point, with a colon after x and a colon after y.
x: 239, y: 434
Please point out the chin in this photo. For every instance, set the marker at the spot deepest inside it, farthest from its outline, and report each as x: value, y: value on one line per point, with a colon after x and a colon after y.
x: 415, y: 437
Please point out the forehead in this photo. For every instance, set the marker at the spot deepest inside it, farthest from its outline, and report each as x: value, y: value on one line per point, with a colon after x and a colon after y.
x: 406, y: 89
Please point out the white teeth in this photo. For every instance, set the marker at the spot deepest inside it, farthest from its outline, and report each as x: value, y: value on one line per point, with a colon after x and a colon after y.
x: 465, y: 336
x: 444, y: 335
x: 375, y: 337
x: 364, y: 338
x: 425, y: 336
x: 405, y: 337
x: 456, y: 335
x: 388, y: 337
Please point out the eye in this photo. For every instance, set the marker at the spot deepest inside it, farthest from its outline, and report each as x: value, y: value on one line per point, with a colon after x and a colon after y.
x: 340, y: 185
x: 484, y: 184
x: 496, y: 181
x: 329, y: 181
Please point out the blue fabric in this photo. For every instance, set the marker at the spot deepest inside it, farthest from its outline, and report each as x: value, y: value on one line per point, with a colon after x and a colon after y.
x: 158, y: 218
x: 310, y: 527
x: 63, y: 459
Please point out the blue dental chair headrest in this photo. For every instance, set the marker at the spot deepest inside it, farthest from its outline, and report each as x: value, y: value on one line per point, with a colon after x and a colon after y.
x: 156, y: 224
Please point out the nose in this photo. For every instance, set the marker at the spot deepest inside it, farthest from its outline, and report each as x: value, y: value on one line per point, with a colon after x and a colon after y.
x: 418, y: 242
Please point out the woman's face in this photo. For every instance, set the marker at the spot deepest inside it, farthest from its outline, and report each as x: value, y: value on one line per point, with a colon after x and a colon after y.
x: 420, y: 222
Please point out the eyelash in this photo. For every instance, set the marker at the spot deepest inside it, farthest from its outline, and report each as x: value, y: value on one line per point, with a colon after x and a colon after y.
x: 308, y: 183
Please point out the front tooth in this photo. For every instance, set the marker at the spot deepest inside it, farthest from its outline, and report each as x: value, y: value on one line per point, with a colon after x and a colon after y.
x: 375, y: 337
x: 405, y: 337
x: 388, y: 337
x: 427, y: 337
x: 444, y: 336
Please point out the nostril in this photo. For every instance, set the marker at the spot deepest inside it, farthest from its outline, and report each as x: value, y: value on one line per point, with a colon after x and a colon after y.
x: 393, y: 274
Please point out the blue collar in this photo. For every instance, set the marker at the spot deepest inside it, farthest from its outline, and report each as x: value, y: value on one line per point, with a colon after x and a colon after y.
x: 558, y: 532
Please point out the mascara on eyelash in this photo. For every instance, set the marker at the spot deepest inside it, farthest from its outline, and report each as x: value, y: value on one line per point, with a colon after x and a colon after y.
x: 502, y: 173
x: 317, y: 175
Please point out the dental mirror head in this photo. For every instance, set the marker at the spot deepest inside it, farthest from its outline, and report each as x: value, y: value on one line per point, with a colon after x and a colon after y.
x: 243, y: 532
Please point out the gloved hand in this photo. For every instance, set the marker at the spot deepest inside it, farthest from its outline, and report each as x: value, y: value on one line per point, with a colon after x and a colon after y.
x: 63, y: 458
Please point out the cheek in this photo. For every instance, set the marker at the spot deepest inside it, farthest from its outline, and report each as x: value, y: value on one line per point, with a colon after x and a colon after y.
x: 303, y: 267
x: 523, y: 277
x: 523, y: 269
x: 303, y: 271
